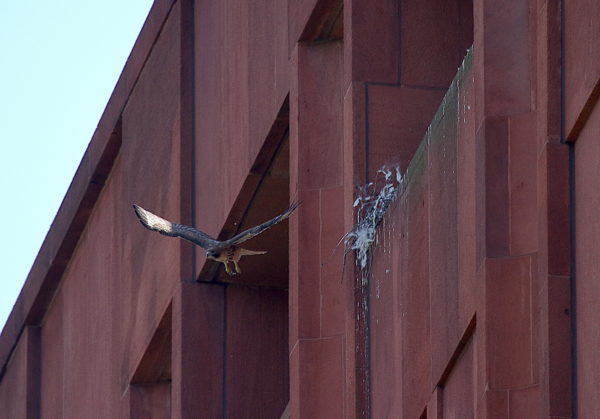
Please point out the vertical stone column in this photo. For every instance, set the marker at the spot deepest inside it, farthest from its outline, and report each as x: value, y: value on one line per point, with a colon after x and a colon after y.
x: 505, y: 85
x: 32, y: 335
x: 554, y: 268
x: 318, y: 305
x: 198, y: 317
x: 197, y: 358
x: 516, y: 102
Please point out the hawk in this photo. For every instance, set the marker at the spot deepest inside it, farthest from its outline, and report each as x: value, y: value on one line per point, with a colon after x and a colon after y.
x: 226, y: 251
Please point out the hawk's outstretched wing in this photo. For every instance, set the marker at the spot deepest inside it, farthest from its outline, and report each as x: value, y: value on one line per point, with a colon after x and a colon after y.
x: 155, y: 223
x: 254, y: 231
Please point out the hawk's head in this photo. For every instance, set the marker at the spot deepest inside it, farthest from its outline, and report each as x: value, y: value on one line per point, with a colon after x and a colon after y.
x: 213, y: 255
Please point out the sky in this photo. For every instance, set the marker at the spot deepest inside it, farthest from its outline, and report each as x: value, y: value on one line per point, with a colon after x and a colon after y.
x: 60, y: 61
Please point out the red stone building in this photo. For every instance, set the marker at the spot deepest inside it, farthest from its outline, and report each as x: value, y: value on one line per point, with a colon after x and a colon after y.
x: 479, y: 296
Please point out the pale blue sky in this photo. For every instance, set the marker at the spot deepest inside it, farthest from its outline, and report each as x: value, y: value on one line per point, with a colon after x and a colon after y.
x: 60, y: 61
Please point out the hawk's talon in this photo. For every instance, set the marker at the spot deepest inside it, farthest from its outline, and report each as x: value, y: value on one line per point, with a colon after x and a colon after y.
x: 227, y: 268
x: 237, y: 267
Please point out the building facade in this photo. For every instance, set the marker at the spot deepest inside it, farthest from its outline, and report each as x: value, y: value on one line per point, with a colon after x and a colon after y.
x: 476, y: 291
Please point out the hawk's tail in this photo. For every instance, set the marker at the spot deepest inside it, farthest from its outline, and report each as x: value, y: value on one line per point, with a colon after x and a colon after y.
x: 247, y: 252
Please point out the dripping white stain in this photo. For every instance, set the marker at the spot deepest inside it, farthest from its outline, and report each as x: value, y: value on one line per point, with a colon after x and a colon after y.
x: 372, y: 203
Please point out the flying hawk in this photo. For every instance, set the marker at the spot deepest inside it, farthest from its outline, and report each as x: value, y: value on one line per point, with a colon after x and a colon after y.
x: 226, y: 251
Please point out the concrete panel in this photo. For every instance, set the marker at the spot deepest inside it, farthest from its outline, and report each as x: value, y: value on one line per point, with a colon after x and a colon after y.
x: 305, y: 274
x: 268, y: 68
x: 398, y: 118
x: 386, y: 314
x: 509, y: 322
x: 150, y: 401
x: 316, y: 173
x: 496, y: 404
x: 582, y: 63
x: 459, y: 389
x: 198, y: 356
x: 560, y: 386
x: 434, y: 38
x: 53, y: 361
x: 524, y: 403
x: 333, y: 301
x: 256, y: 352
x: 371, y: 41
x: 89, y: 287
x: 587, y: 231
x: 558, y: 196
x: 443, y: 235
x: 508, y: 56
x: 522, y: 162
x: 299, y: 12
x: 470, y: 222
x: 150, y: 163
x: 241, y: 81
x: 318, y: 298
x: 211, y: 145
x: 416, y: 343
x: 13, y: 387
x: 316, y: 118
x: 495, y: 134
x: 318, y: 386
x: 549, y: 70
